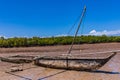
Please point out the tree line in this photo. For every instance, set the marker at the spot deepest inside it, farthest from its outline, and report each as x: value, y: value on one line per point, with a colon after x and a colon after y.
x: 64, y: 40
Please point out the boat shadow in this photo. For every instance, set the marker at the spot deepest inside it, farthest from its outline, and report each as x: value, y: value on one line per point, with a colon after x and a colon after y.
x: 43, y: 78
x: 97, y: 71
x: 25, y: 78
x: 102, y: 71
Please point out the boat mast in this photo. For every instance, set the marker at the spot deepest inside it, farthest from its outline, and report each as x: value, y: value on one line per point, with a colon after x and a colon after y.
x: 83, y: 13
x: 82, y: 16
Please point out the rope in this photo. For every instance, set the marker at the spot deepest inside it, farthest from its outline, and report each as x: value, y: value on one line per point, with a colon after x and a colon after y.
x: 82, y: 28
x: 74, y: 24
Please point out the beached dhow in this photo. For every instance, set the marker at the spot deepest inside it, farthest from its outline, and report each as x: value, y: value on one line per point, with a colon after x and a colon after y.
x: 71, y: 61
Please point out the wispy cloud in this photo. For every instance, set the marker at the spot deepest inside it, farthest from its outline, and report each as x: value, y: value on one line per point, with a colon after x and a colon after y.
x: 105, y: 32
x: 61, y: 35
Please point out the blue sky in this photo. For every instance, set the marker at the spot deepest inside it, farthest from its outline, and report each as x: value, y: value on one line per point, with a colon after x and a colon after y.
x: 42, y: 18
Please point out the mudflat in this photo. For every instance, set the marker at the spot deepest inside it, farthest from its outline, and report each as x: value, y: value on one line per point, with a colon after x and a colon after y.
x: 110, y: 71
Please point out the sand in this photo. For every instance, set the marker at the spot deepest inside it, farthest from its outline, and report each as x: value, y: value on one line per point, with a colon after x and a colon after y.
x: 110, y: 71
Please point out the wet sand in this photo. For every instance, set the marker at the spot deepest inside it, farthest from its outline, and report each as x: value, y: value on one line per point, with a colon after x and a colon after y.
x: 110, y: 71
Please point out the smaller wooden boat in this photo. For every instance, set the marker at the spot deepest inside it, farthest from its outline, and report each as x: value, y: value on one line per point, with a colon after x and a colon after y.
x: 17, y: 59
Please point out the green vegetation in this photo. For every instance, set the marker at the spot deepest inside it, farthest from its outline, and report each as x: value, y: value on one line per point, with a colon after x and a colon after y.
x: 37, y: 41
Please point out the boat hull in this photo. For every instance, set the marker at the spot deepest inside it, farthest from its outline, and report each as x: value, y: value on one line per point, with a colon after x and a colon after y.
x: 72, y: 63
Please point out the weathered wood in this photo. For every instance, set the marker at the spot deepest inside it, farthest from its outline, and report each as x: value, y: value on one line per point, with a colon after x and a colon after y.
x: 74, y: 64
x: 17, y: 59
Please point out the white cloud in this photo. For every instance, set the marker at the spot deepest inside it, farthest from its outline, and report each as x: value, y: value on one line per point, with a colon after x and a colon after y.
x: 3, y: 36
x: 92, y: 32
x: 105, y: 32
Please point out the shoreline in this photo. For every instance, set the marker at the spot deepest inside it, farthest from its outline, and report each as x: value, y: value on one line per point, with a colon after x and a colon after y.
x: 110, y: 71
x: 98, y: 46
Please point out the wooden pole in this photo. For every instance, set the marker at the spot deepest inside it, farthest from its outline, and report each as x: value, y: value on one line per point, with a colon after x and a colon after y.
x: 83, y: 13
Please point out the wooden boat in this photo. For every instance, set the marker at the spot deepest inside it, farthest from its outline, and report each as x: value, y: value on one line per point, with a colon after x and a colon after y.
x: 17, y: 59
x: 71, y: 61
